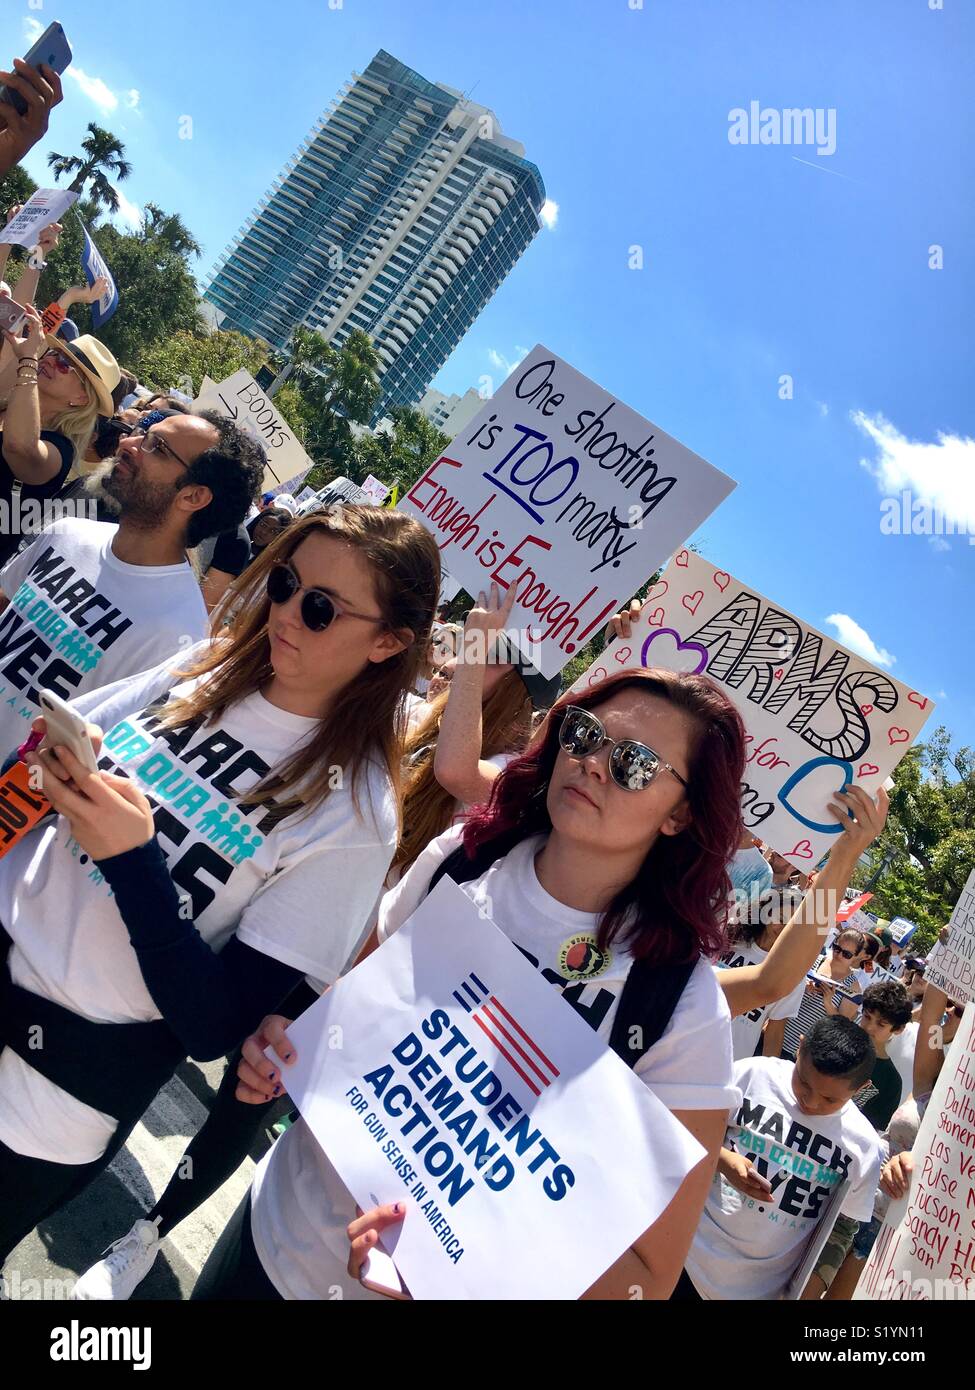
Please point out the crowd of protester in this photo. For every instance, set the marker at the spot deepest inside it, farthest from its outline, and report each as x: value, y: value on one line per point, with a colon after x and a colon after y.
x: 293, y: 677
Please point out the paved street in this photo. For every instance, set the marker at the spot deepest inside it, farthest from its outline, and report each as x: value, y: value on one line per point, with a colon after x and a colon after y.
x: 63, y: 1247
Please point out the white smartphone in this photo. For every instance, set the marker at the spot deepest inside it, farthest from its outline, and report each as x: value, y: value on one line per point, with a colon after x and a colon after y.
x: 12, y: 316
x: 66, y: 726
x: 381, y: 1275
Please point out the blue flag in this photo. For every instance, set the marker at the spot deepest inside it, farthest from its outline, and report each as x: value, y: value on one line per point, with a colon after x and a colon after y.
x: 94, y: 266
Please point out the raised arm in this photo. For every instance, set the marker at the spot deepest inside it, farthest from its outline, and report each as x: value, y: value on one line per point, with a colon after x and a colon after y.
x: 799, y: 943
x: 458, y: 765
x: 30, y: 458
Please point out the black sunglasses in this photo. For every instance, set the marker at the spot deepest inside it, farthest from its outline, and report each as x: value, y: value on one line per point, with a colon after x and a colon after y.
x: 632, y: 765
x: 317, y: 608
x: 842, y: 951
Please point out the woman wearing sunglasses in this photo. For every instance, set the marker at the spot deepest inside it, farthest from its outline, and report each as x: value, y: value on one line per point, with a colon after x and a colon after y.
x: 235, y: 840
x: 838, y: 972
x: 604, y: 848
x: 52, y: 406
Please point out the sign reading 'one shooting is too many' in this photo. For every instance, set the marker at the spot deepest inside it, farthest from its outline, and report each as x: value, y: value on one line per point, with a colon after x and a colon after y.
x: 559, y: 489
x: 815, y: 715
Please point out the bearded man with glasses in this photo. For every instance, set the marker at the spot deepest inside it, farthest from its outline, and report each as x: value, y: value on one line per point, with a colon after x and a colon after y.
x: 89, y: 602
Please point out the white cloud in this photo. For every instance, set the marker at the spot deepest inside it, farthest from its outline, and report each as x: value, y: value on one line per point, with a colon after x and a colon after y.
x: 823, y: 408
x: 130, y: 214
x: 938, y: 543
x: 504, y: 364
x: 852, y: 635
x: 33, y: 28
x: 132, y: 99
x: 549, y: 213
x: 940, y: 474
x: 94, y: 89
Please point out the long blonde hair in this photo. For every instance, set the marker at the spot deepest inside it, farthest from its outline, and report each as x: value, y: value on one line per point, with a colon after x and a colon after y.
x: 365, y: 721
x: 77, y: 424
x: 428, y: 808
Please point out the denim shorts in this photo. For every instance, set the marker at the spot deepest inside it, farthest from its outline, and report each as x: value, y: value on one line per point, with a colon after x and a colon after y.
x: 865, y: 1237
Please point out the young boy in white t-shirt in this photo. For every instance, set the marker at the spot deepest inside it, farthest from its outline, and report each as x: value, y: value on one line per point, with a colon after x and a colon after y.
x: 796, y: 1135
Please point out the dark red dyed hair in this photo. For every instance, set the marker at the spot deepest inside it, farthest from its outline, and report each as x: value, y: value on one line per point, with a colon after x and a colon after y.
x: 676, y: 906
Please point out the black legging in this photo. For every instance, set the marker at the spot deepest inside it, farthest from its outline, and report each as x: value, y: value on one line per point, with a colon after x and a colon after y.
x: 225, y: 1140
x: 233, y: 1272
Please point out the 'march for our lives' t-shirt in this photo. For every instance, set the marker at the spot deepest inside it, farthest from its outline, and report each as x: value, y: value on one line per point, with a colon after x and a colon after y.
x: 79, y: 618
x: 297, y: 888
x: 746, y: 1248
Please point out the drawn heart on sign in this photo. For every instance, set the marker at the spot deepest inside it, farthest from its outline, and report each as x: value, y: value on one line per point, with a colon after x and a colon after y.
x: 598, y: 675
x: 867, y: 769
x: 657, y: 591
x: 623, y: 655
x: 896, y: 735
x: 915, y: 699
x: 803, y: 850
x: 681, y: 559
x: 718, y: 576
x: 778, y: 674
x: 694, y: 663
x: 692, y: 602
x: 866, y: 709
x: 655, y: 618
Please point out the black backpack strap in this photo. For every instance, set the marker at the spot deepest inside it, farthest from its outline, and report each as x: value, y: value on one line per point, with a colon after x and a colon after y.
x: 462, y: 869
x: 650, y: 996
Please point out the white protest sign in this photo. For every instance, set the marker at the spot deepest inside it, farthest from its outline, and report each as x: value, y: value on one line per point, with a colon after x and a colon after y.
x: 241, y: 399
x: 304, y: 494
x: 376, y: 491
x: 207, y: 384
x: 449, y: 587
x: 816, y: 716
x: 529, y: 1155
x: 951, y: 967
x: 925, y: 1249
x: 901, y: 930
x: 42, y: 208
x: 558, y: 488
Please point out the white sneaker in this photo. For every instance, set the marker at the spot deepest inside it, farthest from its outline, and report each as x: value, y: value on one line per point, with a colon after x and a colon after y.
x: 122, y: 1267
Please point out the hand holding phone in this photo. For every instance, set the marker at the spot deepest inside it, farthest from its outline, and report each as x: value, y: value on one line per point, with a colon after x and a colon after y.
x: 52, y: 50
x: 65, y: 726
x: 12, y: 316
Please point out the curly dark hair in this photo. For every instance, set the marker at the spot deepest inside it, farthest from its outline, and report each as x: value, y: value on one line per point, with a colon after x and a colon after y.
x: 889, y: 999
x: 233, y: 470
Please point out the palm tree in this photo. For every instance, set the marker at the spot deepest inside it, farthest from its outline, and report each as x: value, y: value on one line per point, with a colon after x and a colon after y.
x: 103, y: 151
x: 169, y: 228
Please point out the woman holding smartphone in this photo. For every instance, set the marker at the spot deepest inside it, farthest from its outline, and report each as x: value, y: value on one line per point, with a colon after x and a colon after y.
x: 234, y: 840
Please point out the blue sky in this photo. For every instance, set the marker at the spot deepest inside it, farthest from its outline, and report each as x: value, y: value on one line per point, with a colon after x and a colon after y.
x: 759, y: 261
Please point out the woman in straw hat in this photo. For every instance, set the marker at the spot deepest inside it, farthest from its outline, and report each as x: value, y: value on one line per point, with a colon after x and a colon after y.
x: 52, y: 407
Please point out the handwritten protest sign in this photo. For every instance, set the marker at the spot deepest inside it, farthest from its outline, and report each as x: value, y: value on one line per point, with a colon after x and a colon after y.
x: 530, y: 1157
x: 816, y: 716
x: 926, y: 1246
x: 376, y: 491
x: 42, y: 208
x: 854, y: 901
x: 558, y: 488
x: 241, y: 399
x: 952, y: 969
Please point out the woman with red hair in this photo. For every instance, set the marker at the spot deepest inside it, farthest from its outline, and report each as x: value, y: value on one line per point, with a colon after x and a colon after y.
x: 602, y: 855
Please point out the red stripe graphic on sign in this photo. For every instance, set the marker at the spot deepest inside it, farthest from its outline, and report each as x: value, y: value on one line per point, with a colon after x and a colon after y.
x: 517, y: 1026
x: 504, y: 1053
x: 515, y: 1044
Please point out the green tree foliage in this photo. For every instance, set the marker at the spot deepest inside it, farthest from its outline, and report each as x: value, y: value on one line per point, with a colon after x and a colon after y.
x: 928, y: 844
x: 401, y: 453
x: 15, y: 187
x: 185, y: 358
x: 102, y: 154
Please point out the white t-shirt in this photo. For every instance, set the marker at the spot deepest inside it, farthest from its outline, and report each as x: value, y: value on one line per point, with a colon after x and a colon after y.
x: 746, y: 1029
x: 301, y: 1208
x: 79, y: 619
x: 297, y: 889
x: 748, y: 1249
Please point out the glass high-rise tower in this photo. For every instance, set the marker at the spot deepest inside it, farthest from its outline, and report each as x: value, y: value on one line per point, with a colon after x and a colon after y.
x: 401, y: 214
